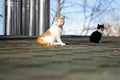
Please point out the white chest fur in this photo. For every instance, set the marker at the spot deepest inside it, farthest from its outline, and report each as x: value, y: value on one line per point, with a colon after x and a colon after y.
x: 55, y: 30
x: 99, y: 30
x: 55, y: 33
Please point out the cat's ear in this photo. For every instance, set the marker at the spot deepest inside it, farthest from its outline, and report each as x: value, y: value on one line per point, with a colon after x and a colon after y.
x: 98, y: 26
x: 103, y: 25
x: 56, y: 18
x: 63, y: 16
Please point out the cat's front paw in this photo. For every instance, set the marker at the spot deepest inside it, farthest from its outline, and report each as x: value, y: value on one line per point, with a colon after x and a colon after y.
x: 62, y: 44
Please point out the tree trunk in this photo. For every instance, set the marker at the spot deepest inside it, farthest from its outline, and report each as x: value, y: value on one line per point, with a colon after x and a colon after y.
x: 58, y: 9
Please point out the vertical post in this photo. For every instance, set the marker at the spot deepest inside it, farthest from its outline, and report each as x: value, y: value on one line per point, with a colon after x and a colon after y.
x: 37, y: 17
x: 4, y: 17
x: 47, y: 14
x: 18, y: 17
x: 44, y: 18
x: 14, y: 18
x: 31, y: 17
x: 41, y: 17
x: 27, y: 16
x: 23, y: 16
x: 8, y: 17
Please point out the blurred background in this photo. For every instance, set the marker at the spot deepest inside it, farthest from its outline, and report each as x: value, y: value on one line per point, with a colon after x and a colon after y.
x: 33, y: 17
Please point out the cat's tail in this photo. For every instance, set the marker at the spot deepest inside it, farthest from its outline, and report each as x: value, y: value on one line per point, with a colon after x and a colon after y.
x: 40, y: 42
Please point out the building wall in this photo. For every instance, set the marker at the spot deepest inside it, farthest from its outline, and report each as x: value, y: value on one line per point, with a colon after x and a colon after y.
x: 26, y: 17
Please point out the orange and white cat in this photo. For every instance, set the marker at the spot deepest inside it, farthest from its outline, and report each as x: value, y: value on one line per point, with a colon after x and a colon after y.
x: 52, y: 36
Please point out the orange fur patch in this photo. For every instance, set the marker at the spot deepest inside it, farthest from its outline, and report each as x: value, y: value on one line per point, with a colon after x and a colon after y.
x: 57, y: 18
x: 42, y: 42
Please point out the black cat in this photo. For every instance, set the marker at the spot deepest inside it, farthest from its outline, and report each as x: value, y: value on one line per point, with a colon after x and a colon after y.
x: 97, y: 35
